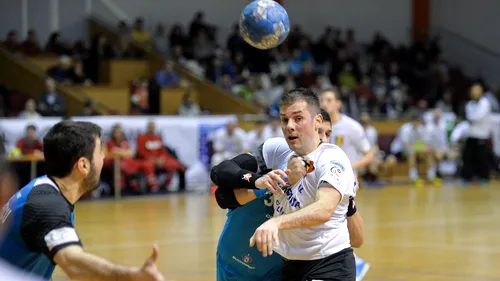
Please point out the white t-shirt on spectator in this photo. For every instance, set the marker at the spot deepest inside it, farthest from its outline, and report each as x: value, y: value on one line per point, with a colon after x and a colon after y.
x: 254, y: 139
x: 331, y: 165
x: 273, y: 132
x: 234, y: 144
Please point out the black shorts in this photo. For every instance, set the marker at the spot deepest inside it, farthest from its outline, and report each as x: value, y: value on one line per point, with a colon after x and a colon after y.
x: 340, y: 266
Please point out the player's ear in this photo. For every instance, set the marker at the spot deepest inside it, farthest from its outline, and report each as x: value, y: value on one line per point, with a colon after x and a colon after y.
x: 318, y: 119
x: 83, y: 166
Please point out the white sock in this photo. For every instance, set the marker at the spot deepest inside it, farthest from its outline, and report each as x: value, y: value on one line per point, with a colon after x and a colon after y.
x: 431, y: 173
x: 413, y: 174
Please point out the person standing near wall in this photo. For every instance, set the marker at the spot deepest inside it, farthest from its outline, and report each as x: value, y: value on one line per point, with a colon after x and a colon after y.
x: 476, y: 152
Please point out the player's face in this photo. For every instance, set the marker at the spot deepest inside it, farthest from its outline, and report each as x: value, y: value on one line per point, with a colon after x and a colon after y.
x: 325, y: 131
x: 91, y: 181
x: 330, y: 103
x: 300, y: 127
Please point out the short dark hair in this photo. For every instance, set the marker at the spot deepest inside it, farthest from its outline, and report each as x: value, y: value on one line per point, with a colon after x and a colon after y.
x: 333, y: 90
x: 301, y: 94
x: 326, y: 116
x: 65, y: 143
x: 30, y: 127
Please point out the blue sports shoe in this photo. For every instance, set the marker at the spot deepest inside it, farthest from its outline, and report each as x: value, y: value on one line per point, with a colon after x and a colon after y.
x: 362, y: 268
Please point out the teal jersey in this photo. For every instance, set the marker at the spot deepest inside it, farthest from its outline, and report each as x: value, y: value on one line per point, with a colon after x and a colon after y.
x: 245, y: 262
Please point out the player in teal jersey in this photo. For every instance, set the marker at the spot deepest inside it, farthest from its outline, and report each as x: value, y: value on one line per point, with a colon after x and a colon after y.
x: 236, y: 260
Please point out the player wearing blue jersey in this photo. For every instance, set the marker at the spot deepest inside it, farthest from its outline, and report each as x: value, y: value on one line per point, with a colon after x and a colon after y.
x: 8, y: 185
x: 40, y: 232
x: 235, y: 259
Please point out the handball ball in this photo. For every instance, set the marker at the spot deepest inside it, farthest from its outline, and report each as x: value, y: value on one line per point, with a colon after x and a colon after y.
x: 264, y: 24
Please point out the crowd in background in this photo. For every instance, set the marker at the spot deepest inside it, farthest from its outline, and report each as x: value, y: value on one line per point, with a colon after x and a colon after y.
x: 377, y: 77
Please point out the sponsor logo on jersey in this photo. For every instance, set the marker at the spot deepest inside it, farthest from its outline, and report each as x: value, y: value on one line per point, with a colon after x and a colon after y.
x: 309, y: 166
x: 246, y: 258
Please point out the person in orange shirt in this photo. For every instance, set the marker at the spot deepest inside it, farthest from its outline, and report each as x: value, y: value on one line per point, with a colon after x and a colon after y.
x: 150, y: 146
x: 119, y: 145
x: 30, y: 144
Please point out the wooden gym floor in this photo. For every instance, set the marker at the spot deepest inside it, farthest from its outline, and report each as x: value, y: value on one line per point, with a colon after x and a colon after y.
x: 412, y: 234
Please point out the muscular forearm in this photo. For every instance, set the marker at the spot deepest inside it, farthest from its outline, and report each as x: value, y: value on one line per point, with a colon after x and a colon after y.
x: 312, y: 215
x: 88, y: 267
x: 356, y: 227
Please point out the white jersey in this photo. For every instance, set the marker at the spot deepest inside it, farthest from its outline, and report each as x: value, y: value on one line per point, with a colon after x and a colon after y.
x: 407, y: 134
x: 372, y: 134
x: 331, y: 165
x: 349, y: 135
x: 435, y: 136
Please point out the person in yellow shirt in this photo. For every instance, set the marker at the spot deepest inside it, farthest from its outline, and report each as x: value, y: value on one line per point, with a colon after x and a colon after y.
x: 138, y: 32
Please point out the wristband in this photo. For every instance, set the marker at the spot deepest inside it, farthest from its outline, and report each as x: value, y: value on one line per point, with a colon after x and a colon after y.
x: 247, y: 179
x: 351, y: 209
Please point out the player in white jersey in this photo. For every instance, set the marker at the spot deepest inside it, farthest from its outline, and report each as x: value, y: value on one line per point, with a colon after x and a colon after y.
x: 410, y: 141
x: 349, y: 135
x: 309, y: 228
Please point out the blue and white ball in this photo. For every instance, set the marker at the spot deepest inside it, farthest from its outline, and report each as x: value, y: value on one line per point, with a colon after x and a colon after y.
x: 264, y: 24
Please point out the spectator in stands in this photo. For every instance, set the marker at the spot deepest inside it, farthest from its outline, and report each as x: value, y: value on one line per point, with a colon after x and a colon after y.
x: 60, y: 72
x: 100, y: 51
x: 273, y: 129
x: 118, y: 145
x: 124, y: 49
x: 124, y: 29
x: 228, y: 142
x: 188, y: 107
x: 445, y: 104
x: 257, y: 136
x: 177, y: 36
x: 11, y: 43
x: 167, y: 76
x: 234, y: 42
x: 198, y: 25
x: 29, y: 111
x: 140, y: 95
x: 31, y: 46
x: 160, y: 39
x: 77, y: 76
x: 56, y: 46
x: 203, y: 48
x: 151, y: 147
x: 306, y: 78
x: 80, y: 51
x: 30, y: 144
x: 51, y: 103
x: 139, y: 32
x: 346, y: 77
x: 89, y: 108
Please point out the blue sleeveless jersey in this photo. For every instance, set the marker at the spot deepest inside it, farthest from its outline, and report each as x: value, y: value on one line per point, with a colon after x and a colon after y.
x: 36, y: 216
x: 233, y: 249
